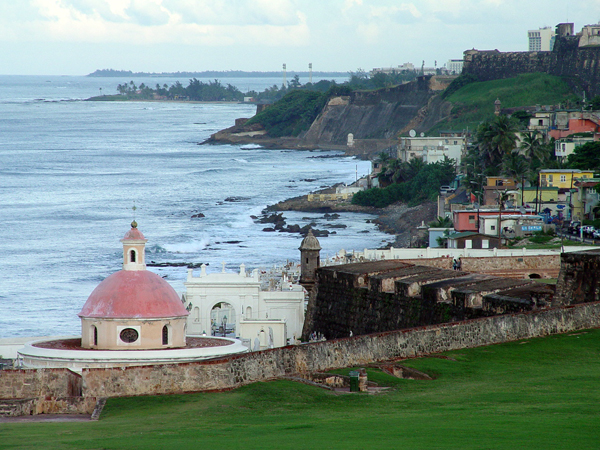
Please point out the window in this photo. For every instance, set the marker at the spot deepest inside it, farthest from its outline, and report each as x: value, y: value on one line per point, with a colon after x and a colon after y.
x: 541, y: 122
x: 129, y: 335
x: 165, y: 335
x: 95, y: 338
x: 550, y: 178
x: 493, y: 227
x: 563, y: 178
x: 471, y: 218
x: 132, y: 256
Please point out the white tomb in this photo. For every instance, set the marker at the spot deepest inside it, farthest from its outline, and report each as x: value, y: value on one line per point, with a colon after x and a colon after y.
x: 224, y: 303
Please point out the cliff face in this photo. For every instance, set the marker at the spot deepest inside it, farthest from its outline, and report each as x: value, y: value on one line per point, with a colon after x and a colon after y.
x: 380, y: 114
x: 375, y: 118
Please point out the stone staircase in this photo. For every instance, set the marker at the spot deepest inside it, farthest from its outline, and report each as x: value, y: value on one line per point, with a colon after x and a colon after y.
x: 17, y: 407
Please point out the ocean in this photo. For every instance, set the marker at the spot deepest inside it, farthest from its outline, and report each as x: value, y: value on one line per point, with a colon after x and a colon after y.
x: 71, y: 171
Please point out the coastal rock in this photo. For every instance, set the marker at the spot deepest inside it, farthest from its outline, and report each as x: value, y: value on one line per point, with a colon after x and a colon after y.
x: 272, y: 218
x: 198, y: 216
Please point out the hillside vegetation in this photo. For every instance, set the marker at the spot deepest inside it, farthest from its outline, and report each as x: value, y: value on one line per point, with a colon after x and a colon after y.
x: 532, y: 394
x: 474, y: 102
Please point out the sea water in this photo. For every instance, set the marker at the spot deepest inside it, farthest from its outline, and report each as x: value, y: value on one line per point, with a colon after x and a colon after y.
x: 71, y: 171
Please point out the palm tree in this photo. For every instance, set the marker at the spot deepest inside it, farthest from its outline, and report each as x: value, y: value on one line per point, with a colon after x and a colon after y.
x: 487, y: 153
x: 494, y: 140
x: 441, y: 222
x: 502, y: 134
x: 532, y: 146
x: 515, y: 165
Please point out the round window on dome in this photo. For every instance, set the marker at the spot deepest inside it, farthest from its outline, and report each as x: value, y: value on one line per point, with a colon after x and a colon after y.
x: 129, y: 335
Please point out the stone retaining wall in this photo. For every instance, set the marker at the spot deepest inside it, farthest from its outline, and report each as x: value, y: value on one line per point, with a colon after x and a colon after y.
x: 33, y: 383
x: 232, y: 372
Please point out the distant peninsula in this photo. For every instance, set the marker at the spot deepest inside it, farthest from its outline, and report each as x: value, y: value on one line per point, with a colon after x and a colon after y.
x: 210, y: 74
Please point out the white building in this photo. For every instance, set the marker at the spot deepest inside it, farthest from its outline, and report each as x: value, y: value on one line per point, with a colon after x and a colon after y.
x: 541, y: 40
x: 455, y: 66
x: 526, y: 224
x: 224, y: 303
x: 432, y: 149
x: 408, y: 67
x: 565, y: 146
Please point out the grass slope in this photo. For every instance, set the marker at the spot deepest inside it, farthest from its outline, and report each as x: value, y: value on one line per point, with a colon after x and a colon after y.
x: 474, y: 102
x: 536, y: 394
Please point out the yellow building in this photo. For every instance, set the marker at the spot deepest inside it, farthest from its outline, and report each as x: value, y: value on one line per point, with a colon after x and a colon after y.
x: 562, y: 178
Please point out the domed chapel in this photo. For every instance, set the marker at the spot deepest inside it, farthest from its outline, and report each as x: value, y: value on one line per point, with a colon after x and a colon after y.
x: 133, y: 309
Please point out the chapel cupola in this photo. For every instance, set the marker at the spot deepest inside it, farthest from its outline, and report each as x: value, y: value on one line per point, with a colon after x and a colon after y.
x: 133, y: 308
x: 134, y: 249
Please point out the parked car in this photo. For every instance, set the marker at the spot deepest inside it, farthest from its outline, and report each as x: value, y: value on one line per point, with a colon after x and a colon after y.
x: 574, y: 227
x: 588, y: 231
x: 446, y: 189
x: 596, y: 234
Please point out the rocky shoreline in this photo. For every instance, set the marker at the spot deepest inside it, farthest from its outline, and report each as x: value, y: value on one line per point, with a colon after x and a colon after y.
x: 397, y: 219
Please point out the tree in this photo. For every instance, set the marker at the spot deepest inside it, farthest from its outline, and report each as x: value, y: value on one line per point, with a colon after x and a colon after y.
x: 594, y: 103
x: 515, y: 166
x: 441, y: 222
x: 503, y: 134
x: 495, y: 139
x: 523, y: 117
x: 295, y: 83
x: 532, y: 146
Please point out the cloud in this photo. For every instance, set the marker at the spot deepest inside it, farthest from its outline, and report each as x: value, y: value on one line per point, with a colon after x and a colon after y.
x: 389, y: 12
x: 195, y: 22
x: 147, y: 13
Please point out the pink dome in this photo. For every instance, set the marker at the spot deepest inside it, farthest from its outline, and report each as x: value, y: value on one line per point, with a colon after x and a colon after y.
x: 134, y: 234
x: 133, y: 294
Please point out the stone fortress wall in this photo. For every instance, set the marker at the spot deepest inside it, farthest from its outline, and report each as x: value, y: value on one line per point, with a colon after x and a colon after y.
x: 491, y: 310
x: 581, y: 65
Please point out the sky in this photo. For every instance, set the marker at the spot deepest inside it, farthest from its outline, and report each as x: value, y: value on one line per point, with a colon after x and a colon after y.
x: 76, y: 37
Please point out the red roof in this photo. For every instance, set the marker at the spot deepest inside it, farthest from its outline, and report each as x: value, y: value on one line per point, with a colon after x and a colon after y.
x: 133, y: 294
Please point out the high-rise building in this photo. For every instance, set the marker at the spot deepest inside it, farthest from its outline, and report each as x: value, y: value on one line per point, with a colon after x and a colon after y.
x: 541, y: 40
x: 454, y: 66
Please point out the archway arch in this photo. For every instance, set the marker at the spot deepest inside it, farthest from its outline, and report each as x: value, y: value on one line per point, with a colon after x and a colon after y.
x: 223, y: 319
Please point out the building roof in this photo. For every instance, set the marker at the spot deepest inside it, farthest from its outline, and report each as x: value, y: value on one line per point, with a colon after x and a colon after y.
x: 310, y: 242
x: 134, y: 234
x: 565, y: 171
x: 586, y: 184
x: 133, y: 294
x: 465, y: 234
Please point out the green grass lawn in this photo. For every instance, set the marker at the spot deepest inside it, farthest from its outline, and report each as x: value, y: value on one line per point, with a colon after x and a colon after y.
x: 535, y: 394
x: 474, y: 102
